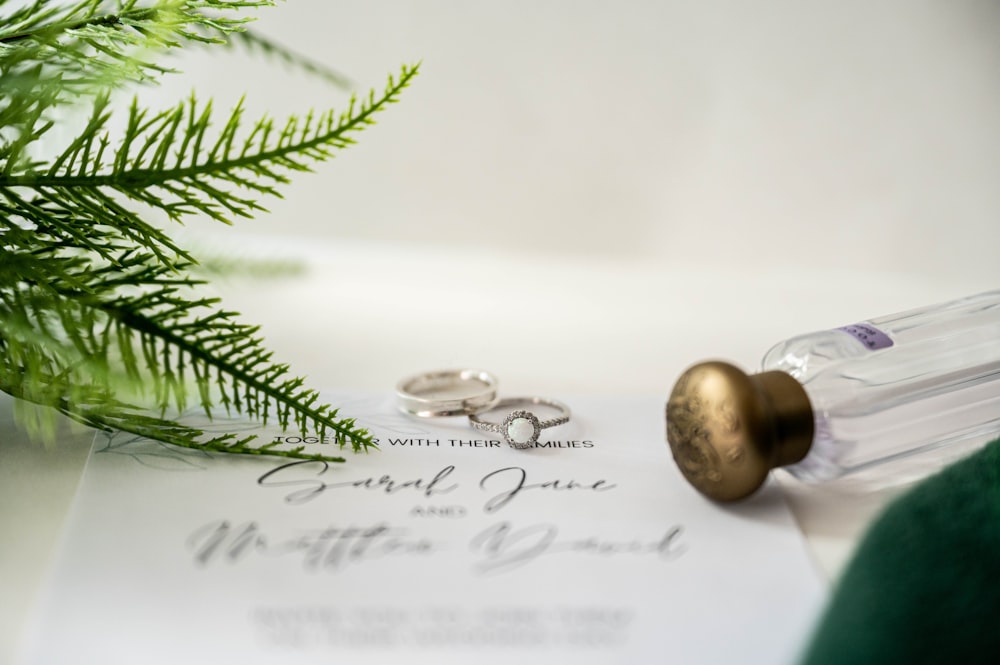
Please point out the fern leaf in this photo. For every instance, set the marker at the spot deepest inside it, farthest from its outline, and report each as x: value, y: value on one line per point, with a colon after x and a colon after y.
x: 100, y: 317
x: 254, y: 41
x: 164, y: 160
x: 148, y: 343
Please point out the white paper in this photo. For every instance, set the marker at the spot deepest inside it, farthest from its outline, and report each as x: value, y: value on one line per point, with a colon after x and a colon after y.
x: 444, y: 546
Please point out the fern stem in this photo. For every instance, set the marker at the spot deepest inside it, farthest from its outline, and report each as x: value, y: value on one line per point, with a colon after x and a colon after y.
x: 104, y: 20
x: 283, y: 153
x: 360, y: 439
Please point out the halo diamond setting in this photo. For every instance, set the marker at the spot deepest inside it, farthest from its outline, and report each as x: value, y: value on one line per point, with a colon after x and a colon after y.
x: 521, y: 429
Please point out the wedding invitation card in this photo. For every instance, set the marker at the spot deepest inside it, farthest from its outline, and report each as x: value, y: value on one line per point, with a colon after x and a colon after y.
x: 445, y: 545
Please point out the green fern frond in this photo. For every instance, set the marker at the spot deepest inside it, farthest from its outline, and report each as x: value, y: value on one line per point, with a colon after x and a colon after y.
x: 54, y: 54
x: 213, y: 264
x: 97, y: 43
x: 180, y: 336
x: 67, y: 215
x: 159, y: 343
x: 100, y: 316
x: 128, y: 420
x: 254, y: 41
x: 94, y: 406
x: 168, y: 161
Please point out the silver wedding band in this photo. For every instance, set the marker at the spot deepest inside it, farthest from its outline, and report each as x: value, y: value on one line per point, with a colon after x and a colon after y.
x: 521, y: 428
x: 453, y: 392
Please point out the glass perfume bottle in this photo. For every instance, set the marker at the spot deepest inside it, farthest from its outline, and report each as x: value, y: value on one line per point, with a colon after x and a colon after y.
x: 843, y: 401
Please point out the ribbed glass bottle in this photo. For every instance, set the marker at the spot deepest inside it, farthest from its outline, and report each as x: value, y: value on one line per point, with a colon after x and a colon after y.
x: 896, y: 386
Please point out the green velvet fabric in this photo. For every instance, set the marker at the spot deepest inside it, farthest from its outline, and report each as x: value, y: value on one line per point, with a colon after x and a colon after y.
x: 924, y: 584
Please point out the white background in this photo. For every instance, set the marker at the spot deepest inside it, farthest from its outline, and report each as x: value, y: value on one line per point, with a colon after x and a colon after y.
x: 850, y: 135
x: 586, y: 197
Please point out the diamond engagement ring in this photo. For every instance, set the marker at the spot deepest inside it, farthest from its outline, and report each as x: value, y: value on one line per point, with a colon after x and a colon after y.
x: 521, y: 428
x: 451, y: 392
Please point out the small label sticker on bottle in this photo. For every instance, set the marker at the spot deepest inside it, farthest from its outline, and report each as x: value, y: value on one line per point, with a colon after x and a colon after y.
x: 873, y: 338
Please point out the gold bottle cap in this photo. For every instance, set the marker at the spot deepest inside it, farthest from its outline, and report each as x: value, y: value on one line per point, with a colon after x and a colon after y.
x: 728, y: 429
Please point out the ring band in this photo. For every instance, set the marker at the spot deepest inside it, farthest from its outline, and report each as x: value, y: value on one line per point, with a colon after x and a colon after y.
x: 453, y: 392
x: 520, y: 429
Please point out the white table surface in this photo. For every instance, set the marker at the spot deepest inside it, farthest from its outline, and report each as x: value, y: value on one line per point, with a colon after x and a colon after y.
x: 363, y: 315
